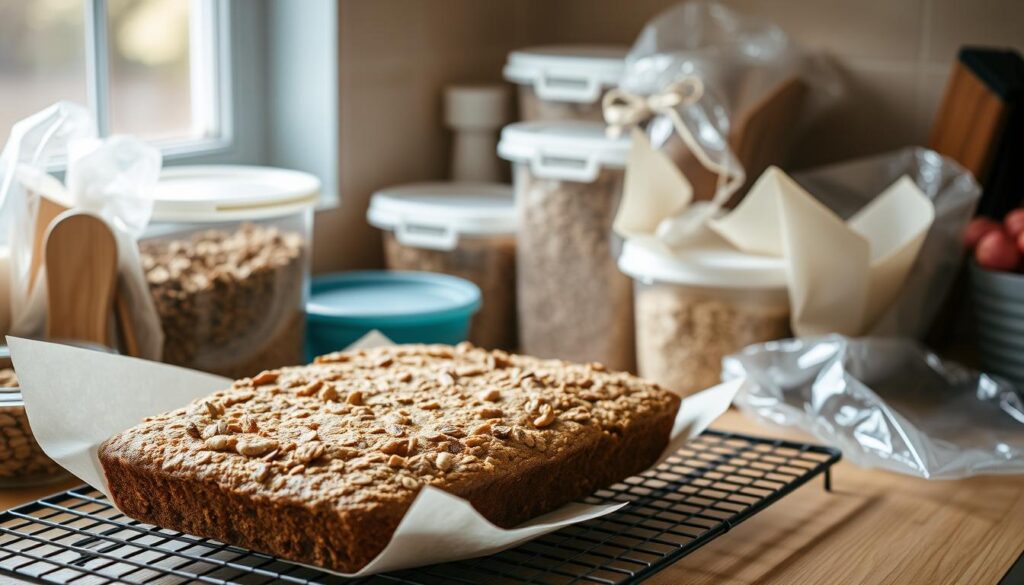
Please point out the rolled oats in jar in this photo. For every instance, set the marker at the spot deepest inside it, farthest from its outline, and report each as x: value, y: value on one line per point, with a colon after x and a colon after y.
x: 700, y: 304
x: 574, y: 304
x: 462, y: 229
x: 564, y: 82
x: 226, y: 257
x: 22, y: 461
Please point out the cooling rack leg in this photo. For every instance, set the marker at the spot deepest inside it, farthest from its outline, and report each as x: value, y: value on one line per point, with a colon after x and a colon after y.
x: 828, y: 479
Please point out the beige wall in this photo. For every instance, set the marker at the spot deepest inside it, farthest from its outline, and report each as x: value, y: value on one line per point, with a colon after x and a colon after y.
x: 396, y: 55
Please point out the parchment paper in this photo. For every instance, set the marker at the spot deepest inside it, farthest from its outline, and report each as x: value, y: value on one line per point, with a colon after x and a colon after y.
x: 76, y: 399
x: 842, y: 275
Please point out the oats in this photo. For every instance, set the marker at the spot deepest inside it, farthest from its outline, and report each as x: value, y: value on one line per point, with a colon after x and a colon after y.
x: 541, y: 443
x: 214, y: 408
x: 192, y: 430
x: 221, y: 443
x: 409, y: 482
x: 310, y: 389
x: 469, y: 371
x: 203, y: 458
x: 355, y: 398
x: 309, y: 452
x: 432, y: 405
x: 297, y: 470
x: 445, y: 379
x: 272, y: 455
x: 486, y: 413
x: 452, y: 431
x: 384, y: 362
x: 310, y: 435
x: 547, y: 416
x: 395, y: 448
x: 262, y: 472
x: 404, y: 377
x: 255, y: 446
x: 476, y: 441
x: 492, y: 395
x: 396, y: 461
x: 410, y: 446
x: 443, y: 461
x: 360, y: 479
x: 484, y: 429
x: 329, y: 393
x: 265, y: 377
x: 248, y: 425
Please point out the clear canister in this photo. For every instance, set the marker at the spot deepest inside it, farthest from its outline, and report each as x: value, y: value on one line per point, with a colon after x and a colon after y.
x: 227, y: 260
x: 462, y: 229
x: 699, y: 305
x: 574, y: 304
x: 564, y: 82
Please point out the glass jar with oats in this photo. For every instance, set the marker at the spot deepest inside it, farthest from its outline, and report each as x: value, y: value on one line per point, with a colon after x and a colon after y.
x: 226, y: 257
x: 463, y: 229
x: 564, y: 82
x: 699, y: 304
x: 574, y: 304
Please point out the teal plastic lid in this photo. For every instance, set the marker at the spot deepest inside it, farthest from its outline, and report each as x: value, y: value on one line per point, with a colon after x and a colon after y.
x: 379, y: 298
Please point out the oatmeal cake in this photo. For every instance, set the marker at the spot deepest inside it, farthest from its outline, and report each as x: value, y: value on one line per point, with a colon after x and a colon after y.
x: 319, y: 463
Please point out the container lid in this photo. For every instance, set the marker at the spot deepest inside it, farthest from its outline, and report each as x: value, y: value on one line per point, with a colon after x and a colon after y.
x: 571, y: 150
x: 207, y: 193
x: 567, y: 73
x: 434, y: 215
x: 707, y: 261
x: 379, y: 298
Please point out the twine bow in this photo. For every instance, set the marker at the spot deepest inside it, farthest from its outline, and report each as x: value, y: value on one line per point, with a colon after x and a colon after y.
x: 623, y: 109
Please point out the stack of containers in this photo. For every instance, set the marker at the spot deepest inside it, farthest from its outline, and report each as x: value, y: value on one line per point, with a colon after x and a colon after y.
x: 695, y: 307
x: 564, y: 82
x: 573, y: 302
x: 463, y: 229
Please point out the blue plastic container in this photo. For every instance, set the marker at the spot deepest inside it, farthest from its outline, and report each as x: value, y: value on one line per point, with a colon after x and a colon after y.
x: 408, y: 307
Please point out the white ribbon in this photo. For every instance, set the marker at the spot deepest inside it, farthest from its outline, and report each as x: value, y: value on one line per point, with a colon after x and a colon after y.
x: 623, y: 109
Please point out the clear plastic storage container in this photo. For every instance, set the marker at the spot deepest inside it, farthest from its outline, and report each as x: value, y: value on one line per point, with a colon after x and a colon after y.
x: 226, y: 256
x: 573, y: 302
x: 462, y: 229
x: 564, y: 82
x: 697, y: 306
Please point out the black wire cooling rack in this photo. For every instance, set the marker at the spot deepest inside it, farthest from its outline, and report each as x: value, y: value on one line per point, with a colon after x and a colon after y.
x: 715, y: 482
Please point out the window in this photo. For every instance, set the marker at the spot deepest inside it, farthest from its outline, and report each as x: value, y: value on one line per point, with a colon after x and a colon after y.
x: 145, y: 67
x: 209, y: 81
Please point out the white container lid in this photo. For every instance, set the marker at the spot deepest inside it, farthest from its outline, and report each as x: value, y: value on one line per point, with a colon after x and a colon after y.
x: 435, y: 215
x: 571, y: 150
x: 567, y: 73
x: 709, y: 261
x: 211, y: 193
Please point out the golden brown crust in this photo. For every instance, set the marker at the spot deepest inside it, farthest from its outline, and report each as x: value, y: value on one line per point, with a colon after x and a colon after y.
x: 319, y: 463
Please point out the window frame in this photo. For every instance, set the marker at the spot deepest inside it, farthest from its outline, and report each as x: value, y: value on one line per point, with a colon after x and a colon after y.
x: 248, y: 49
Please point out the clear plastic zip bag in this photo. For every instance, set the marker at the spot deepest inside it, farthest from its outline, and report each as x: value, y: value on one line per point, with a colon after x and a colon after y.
x: 886, y: 403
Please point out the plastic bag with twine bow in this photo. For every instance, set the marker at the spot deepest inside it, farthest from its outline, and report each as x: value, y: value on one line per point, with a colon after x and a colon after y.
x: 110, y: 178
x: 693, y: 70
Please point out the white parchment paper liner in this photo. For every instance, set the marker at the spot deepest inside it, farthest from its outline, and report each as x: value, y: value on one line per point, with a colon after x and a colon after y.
x: 76, y: 399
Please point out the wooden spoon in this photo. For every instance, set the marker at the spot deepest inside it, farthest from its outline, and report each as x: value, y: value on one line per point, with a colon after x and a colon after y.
x: 81, y: 277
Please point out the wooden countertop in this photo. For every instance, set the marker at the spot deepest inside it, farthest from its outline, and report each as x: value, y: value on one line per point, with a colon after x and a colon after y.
x: 874, y: 527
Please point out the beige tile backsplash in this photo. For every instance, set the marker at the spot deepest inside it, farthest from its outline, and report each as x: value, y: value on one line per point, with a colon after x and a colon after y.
x: 396, y: 56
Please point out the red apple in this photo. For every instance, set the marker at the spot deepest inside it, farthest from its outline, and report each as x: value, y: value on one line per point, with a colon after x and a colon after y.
x: 979, y: 227
x: 1014, y: 223
x: 996, y: 251
x: 1020, y: 244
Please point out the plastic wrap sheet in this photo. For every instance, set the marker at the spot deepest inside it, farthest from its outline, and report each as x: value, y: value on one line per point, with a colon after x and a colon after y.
x: 885, y: 403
